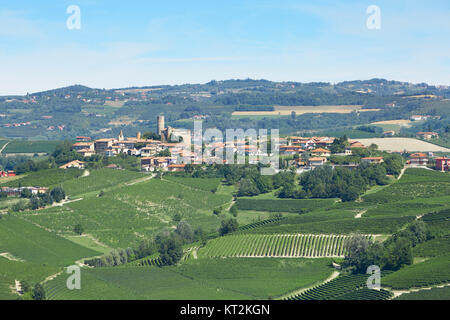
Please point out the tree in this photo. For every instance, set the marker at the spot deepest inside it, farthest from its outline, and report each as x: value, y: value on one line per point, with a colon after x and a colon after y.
x: 227, y: 226
x: 38, y: 292
x: 185, y: 232
x: 398, y: 254
x: 78, y: 229
x: 356, y: 247
x: 58, y: 194
x: 25, y: 286
x: 234, y: 210
x: 170, y: 248
x: 247, y: 187
x: 34, y: 203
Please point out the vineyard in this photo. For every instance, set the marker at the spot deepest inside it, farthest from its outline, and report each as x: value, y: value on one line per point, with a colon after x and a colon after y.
x: 45, y: 178
x: 345, y: 287
x: 204, y: 184
x: 18, y: 237
x: 431, y: 294
x: 430, y: 272
x: 284, y: 205
x: 276, y: 245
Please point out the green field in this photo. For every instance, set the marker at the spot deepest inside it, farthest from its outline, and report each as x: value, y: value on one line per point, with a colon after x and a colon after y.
x: 428, y: 273
x: 345, y: 287
x: 283, y: 248
x: 282, y: 205
x: 197, y: 279
x: 44, y: 178
x: 98, y: 180
x: 33, y: 244
x: 125, y: 214
x: 23, y: 146
x: 196, y: 183
x: 433, y: 294
x: 15, y: 270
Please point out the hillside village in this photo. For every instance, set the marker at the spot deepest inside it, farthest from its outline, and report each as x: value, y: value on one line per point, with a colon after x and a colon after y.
x: 306, y: 152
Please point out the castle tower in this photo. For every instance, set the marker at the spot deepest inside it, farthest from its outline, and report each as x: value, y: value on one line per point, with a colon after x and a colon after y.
x: 160, y: 124
x: 121, y: 137
x: 138, y: 135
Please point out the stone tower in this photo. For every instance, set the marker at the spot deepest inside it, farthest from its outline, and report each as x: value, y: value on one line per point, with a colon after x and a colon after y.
x: 121, y: 137
x: 160, y: 124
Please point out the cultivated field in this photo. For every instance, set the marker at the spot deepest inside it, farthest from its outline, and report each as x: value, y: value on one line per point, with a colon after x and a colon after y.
x: 287, y: 110
x: 400, y: 144
x: 399, y: 122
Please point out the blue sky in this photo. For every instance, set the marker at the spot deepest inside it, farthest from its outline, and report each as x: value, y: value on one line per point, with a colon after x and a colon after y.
x: 137, y: 43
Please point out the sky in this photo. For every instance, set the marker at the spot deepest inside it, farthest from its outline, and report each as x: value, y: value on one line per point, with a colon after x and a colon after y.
x: 142, y: 43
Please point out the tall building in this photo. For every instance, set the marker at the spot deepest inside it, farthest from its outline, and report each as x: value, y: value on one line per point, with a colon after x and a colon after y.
x: 160, y: 124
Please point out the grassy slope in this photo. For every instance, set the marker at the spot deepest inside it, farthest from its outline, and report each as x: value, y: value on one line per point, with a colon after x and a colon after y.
x: 31, y: 243
x: 199, y: 279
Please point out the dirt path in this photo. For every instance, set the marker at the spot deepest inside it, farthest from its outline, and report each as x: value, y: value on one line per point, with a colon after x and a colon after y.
x: 141, y: 179
x: 360, y: 213
x: 334, y: 275
x: 63, y: 202
x: 398, y: 293
x: 3, y: 148
x: 402, y: 172
x: 9, y: 256
x: 50, y: 278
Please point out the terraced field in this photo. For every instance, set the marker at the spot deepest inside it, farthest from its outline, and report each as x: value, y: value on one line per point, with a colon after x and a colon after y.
x: 276, y: 245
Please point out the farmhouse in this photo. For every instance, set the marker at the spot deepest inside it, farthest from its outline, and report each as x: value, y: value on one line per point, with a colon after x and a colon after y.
x: 356, y: 144
x: 376, y: 160
x: 427, y: 135
x: 418, y: 117
x: 15, y: 192
x: 443, y: 164
x: 86, y: 152
x: 418, y: 159
x: 290, y: 150
x: 83, y: 145
x: 73, y: 164
x: 317, y: 162
x: 321, y: 152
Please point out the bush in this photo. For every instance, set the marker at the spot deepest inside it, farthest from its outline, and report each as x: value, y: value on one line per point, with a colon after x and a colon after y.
x: 228, y: 226
x: 38, y: 292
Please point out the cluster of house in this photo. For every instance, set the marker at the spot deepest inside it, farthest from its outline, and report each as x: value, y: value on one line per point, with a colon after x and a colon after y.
x: 147, y: 149
x: 422, y: 159
x: 18, y: 124
x: 150, y: 151
x: 15, y: 192
x: 318, y: 150
x: 8, y: 173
